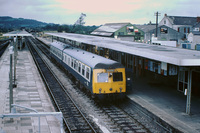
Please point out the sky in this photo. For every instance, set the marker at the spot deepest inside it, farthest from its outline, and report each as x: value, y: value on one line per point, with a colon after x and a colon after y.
x: 98, y: 12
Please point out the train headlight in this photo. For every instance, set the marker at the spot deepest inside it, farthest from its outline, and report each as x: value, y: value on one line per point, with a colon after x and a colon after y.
x: 120, y: 89
x: 100, y: 90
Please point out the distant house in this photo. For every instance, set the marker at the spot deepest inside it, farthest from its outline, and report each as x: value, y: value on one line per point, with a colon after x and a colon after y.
x: 164, y: 33
x: 146, y: 28
x: 122, y: 31
x: 180, y: 23
x: 194, y: 40
x: 196, y: 27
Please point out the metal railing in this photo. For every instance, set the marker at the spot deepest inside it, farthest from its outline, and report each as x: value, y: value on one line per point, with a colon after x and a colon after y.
x: 14, y: 114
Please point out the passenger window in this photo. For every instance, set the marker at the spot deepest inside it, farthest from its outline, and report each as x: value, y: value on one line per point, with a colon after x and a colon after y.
x: 117, y: 76
x: 83, y: 70
x: 79, y: 67
x: 87, y: 73
x: 75, y: 65
x: 102, y: 77
x: 72, y: 62
x: 69, y: 61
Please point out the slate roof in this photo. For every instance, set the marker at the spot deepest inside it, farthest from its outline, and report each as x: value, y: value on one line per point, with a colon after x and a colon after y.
x: 146, y: 28
x: 108, y: 29
x: 179, y: 20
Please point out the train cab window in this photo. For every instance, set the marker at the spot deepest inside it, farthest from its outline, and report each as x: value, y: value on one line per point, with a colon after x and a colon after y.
x: 102, y: 77
x: 83, y: 70
x: 87, y: 72
x: 79, y: 67
x: 117, y: 76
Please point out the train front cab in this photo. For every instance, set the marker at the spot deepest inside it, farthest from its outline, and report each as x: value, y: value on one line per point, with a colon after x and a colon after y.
x: 109, y: 82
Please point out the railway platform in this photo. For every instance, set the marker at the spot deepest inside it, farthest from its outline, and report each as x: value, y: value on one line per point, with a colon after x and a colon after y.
x: 30, y: 92
x: 168, y: 104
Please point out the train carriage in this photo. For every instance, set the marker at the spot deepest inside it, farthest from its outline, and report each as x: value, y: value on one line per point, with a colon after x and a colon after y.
x: 100, y: 75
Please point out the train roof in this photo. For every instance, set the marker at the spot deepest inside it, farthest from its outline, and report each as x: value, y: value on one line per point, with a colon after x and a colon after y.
x: 59, y: 45
x: 88, y: 58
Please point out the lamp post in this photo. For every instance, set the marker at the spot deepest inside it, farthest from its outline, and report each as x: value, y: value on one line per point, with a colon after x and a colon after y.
x: 11, y: 51
x: 15, y: 59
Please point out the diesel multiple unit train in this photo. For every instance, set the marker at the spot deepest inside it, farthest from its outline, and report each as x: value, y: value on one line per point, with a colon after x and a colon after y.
x: 101, y: 76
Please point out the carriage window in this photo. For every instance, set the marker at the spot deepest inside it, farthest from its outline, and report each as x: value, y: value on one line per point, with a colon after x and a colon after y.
x: 79, y: 67
x: 72, y: 62
x: 117, y: 76
x: 69, y: 61
x: 66, y: 58
x: 75, y: 65
x: 102, y: 77
x: 83, y: 70
x: 87, y: 73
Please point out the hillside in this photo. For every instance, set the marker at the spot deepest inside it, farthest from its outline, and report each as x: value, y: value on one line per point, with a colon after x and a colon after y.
x: 9, y: 22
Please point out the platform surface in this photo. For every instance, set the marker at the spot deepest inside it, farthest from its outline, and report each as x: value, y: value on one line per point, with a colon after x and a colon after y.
x: 168, y: 104
x: 30, y: 92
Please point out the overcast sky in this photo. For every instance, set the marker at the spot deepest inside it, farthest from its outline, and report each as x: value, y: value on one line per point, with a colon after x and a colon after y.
x: 98, y: 11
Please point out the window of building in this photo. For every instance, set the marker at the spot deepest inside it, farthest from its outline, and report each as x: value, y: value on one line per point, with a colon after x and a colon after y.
x: 129, y: 28
x: 184, y: 30
x: 188, y: 30
x: 121, y: 33
x: 164, y: 21
x: 178, y: 29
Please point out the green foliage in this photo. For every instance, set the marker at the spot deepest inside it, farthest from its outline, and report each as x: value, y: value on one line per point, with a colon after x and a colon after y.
x: 8, y: 24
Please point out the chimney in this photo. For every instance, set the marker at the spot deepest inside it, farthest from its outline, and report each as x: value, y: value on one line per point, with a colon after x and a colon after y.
x: 198, y: 19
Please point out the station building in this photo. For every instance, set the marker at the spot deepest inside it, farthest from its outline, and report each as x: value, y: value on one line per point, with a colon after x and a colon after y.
x: 120, y: 31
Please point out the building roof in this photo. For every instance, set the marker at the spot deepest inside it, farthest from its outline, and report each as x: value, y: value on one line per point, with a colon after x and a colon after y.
x: 146, y: 28
x: 17, y: 33
x: 181, y: 20
x: 197, y: 25
x: 176, y: 56
x: 196, y: 33
x: 108, y: 29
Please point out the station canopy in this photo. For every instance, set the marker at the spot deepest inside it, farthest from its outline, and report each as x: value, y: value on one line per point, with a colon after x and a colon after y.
x: 17, y: 33
x: 171, y: 55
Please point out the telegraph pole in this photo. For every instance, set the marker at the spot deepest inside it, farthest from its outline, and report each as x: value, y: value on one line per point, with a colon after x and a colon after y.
x: 157, y: 14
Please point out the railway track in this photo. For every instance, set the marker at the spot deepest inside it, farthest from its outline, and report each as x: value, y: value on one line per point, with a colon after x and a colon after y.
x: 3, y: 46
x: 123, y: 116
x: 74, y: 119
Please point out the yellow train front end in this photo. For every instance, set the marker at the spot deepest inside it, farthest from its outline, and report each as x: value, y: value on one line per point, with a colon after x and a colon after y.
x: 109, y: 81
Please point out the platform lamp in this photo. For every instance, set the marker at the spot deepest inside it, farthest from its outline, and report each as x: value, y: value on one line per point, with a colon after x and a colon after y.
x: 11, y: 51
